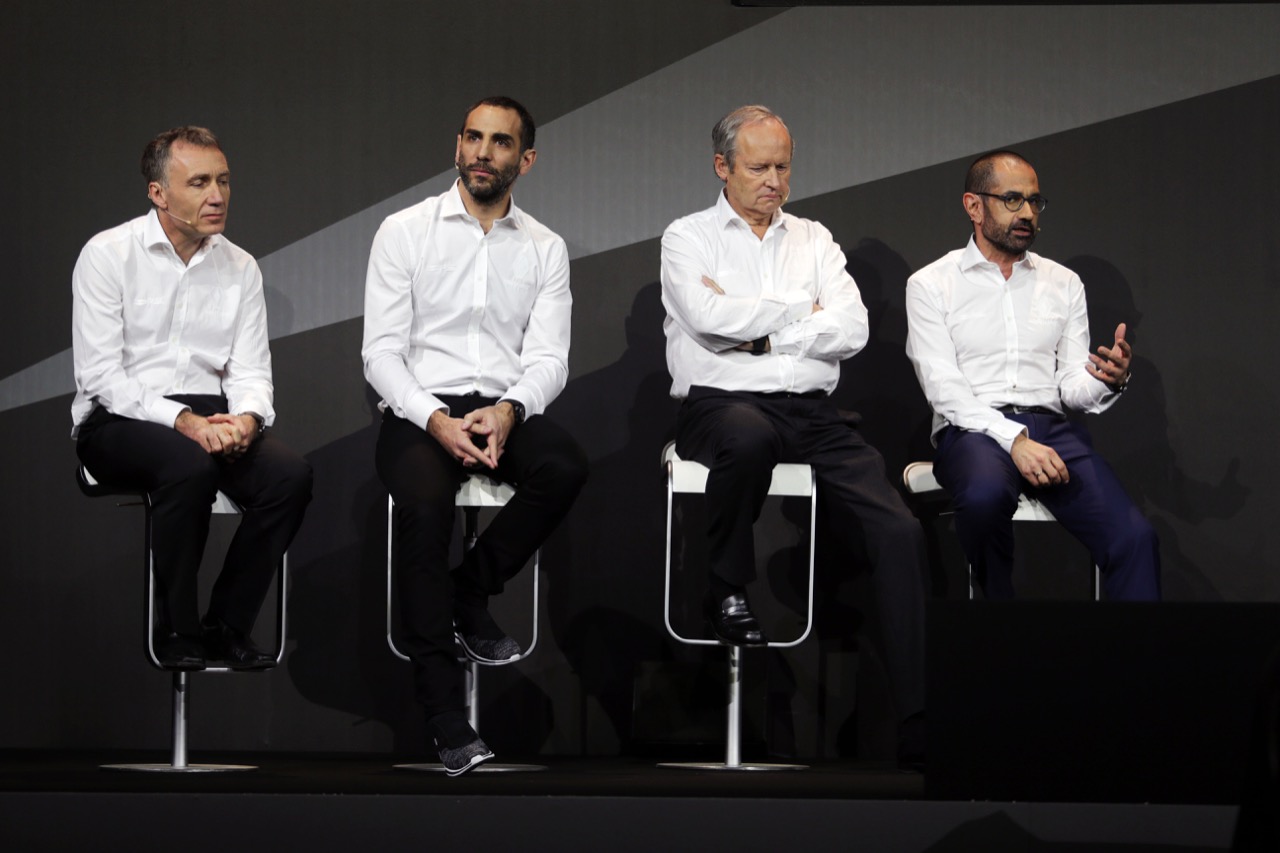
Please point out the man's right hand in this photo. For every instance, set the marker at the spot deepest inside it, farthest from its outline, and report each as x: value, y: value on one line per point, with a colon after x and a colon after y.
x: 214, y: 438
x: 1039, y: 464
x: 453, y: 437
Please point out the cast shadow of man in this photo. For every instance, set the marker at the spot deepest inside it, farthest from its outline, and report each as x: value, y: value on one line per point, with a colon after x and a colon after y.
x: 605, y: 604
x: 1136, y: 439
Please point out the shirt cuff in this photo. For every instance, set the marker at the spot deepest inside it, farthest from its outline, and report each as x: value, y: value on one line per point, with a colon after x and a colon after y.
x: 165, y: 411
x: 524, y: 398
x: 1005, y: 432
x: 419, y: 408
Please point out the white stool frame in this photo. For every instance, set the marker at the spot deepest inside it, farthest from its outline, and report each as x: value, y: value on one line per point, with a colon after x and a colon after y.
x: 789, y: 480
x: 222, y: 505
x: 476, y: 491
x: 919, y: 481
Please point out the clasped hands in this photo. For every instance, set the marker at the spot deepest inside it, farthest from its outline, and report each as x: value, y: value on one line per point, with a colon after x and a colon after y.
x: 219, y: 434
x: 477, y: 438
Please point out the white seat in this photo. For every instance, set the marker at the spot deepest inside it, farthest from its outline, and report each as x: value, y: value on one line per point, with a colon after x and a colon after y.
x: 789, y: 480
x: 476, y: 492
x: 222, y: 505
x: 920, y: 482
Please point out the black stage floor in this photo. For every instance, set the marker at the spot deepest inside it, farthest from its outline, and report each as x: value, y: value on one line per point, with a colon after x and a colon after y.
x: 59, y: 771
x: 62, y: 801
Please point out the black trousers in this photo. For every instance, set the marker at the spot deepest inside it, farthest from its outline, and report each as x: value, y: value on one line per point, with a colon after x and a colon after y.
x: 740, y: 436
x: 547, y: 468
x: 271, y: 482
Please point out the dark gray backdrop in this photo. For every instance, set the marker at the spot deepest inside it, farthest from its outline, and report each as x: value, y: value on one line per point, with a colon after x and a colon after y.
x: 1153, y: 129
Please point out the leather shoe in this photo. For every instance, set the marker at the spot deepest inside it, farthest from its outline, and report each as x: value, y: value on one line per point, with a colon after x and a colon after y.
x: 175, y: 651
x: 226, y: 645
x: 732, y: 621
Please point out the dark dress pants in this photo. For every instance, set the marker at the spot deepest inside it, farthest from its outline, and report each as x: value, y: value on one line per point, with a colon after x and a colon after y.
x: 740, y: 436
x: 984, y: 485
x: 546, y: 467
x: 270, y: 482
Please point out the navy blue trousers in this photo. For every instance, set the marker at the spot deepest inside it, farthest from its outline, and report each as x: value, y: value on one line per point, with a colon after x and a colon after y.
x: 1093, y: 506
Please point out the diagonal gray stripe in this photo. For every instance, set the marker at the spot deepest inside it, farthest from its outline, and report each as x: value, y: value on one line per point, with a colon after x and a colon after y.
x: 868, y: 93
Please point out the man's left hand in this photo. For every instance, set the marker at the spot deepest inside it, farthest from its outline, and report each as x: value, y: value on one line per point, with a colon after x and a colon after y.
x: 1111, y: 364
x: 495, y: 424
x: 246, y: 426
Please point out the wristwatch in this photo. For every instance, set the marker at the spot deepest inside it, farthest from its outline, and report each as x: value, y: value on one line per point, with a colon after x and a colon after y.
x: 517, y: 408
x: 760, y: 345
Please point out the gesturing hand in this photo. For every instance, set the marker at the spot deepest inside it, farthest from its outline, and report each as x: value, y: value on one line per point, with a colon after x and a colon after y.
x: 1111, y: 364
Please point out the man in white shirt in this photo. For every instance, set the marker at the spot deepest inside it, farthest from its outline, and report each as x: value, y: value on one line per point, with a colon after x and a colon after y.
x: 466, y: 339
x: 760, y: 313
x: 999, y: 337
x: 174, y: 395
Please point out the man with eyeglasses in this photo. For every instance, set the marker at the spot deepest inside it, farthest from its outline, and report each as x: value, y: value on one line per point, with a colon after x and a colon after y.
x: 999, y: 337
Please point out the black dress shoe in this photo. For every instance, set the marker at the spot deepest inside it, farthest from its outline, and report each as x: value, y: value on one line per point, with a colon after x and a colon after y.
x: 225, y: 645
x: 175, y: 651
x: 732, y: 621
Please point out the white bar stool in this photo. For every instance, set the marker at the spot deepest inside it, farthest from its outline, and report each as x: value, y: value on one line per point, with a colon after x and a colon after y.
x: 789, y: 480
x: 476, y: 492
x: 222, y: 505
x: 920, y: 482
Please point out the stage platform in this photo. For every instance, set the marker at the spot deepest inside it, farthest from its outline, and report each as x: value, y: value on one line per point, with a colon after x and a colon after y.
x: 63, y: 801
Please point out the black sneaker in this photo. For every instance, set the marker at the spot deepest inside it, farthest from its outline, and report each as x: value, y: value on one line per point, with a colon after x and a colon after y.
x: 481, y: 638
x: 460, y: 760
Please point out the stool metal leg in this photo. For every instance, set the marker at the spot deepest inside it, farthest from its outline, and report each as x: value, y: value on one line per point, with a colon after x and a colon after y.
x: 179, y: 762
x: 733, y: 733
x: 733, y: 736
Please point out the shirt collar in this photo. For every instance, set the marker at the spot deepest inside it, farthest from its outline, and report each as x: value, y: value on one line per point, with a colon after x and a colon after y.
x: 973, y: 257
x: 453, y: 206
x: 725, y: 214
x: 153, y: 235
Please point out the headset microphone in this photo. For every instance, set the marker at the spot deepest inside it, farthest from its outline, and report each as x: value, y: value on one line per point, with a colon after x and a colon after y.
x: 185, y: 222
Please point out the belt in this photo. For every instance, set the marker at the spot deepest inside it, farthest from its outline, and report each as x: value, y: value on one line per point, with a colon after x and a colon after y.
x: 1026, y: 410
x: 789, y: 395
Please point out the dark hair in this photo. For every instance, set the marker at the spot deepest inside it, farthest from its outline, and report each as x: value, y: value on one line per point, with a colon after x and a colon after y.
x: 981, y: 175
x: 527, y: 128
x: 155, y: 157
x: 724, y: 136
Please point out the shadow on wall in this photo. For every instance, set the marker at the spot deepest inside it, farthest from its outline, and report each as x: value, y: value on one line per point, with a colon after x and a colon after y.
x: 1135, y: 438
x: 605, y: 608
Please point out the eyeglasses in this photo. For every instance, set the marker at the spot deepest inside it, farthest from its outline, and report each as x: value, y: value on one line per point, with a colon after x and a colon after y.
x: 1013, y: 201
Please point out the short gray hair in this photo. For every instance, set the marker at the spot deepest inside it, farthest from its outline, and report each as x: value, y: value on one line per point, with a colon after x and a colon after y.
x: 724, y: 136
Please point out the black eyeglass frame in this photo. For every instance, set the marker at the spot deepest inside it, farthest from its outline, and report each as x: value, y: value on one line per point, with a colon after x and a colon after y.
x: 1013, y: 202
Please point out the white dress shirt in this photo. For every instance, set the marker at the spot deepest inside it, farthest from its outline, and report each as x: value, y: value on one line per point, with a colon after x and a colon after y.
x: 449, y: 309
x: 770, y: 287
x: 144, y: 325
x: 978, y: 341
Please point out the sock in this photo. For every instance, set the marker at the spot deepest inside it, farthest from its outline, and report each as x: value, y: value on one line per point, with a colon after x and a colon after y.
x: 451, y: 729
x: 722, y: 589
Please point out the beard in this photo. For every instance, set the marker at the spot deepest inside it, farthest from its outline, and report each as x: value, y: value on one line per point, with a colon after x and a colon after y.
x: 1007, y: 241
x: 487, y: 189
